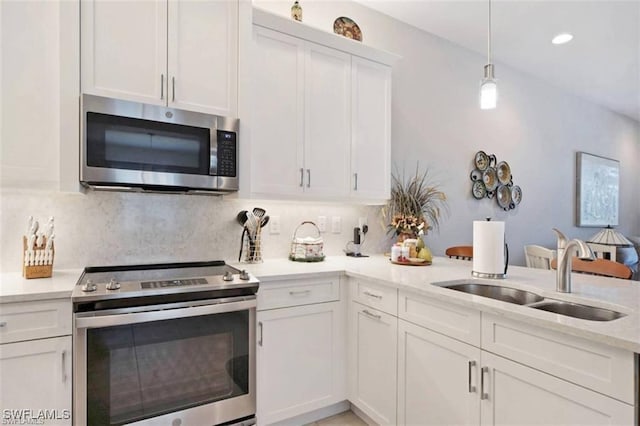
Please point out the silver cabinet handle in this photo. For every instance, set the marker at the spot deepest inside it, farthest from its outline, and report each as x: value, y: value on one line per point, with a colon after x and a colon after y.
x: 64, y: 367
x: 3, y: 324
x: 299, y: 292
x: 376, y: 296
x: 161, y: 86
x: 472, y: 389
x: 355, y: 186
x: 301, y: 177
x: 483, y: 394
x: 308, y: 178
x: 369, y: 314
x: 260, y: 339
x: 173, y: 88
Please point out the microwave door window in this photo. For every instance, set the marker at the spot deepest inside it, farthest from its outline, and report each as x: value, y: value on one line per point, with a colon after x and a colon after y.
x: 135, y: 144
x: 130, y: 149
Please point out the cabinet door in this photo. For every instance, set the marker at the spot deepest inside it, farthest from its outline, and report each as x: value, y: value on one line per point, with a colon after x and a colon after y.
x: 327, y: 124
x: 371, y: 129
x: 301, y: 364
x: 203, y: 56
x: 277, y: 113
x: 519, y: 395
x: 36, y: 375
x: 124, y: 49
x: 372, y: 362
x: 437, y: 378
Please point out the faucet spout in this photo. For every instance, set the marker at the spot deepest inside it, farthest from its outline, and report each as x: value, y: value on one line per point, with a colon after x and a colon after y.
x: 565, y: 250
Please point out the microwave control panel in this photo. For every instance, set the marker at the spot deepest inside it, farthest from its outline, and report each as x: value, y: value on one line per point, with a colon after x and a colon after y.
x: 227, y: 152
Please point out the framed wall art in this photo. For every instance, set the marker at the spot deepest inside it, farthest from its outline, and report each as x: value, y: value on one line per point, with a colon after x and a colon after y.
x: 597, y: 190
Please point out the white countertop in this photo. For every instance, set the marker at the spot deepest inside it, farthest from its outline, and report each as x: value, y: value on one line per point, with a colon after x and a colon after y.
x: 615, y: 294
x: 15, y: 288
x: 619, y: 295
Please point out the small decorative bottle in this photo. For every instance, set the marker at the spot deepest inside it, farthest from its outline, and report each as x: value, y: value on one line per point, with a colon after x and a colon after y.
x: 296, y: 11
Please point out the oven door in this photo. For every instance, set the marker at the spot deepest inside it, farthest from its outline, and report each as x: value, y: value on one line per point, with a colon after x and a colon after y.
x: 182, y: 364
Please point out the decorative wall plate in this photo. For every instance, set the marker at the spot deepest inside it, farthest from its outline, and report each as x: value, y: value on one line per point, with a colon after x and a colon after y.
x: 504, y: 172
x: 516, y: 194
x: 504, y: 196
x: 346, y: 27
x: 490, y: 179
x: 479, y: 190
x: 481, y: 160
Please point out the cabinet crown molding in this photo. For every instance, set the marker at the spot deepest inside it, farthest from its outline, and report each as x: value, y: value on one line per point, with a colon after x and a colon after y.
x: 297, y: 29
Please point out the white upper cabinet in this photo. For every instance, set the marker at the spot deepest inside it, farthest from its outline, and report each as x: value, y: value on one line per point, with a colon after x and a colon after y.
x: 320, y: 114
x: 277, y: 110
x: 124, y: 49
x: 164, y: 52
x: 203, y: 46
x: 327, y: 121
x: 370, y: 129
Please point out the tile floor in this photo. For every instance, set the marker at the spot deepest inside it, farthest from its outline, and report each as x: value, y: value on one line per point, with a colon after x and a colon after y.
x: 343, y: 419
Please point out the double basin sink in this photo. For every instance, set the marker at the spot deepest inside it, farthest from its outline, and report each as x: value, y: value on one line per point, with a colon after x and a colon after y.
x: 534, y: 301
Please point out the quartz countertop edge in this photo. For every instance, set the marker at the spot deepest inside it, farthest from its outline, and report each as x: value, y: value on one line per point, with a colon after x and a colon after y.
x: 615, y: 294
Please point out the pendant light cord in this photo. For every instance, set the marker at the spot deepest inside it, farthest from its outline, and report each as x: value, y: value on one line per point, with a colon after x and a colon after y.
x: 489, y: 36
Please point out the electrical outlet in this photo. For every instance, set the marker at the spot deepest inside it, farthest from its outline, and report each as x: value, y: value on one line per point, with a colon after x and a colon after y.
x: 322, y: 223
x: 274, y: 225
x: 336, y: 224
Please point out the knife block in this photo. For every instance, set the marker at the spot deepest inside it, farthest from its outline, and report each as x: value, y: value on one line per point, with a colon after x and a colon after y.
x: 37, y: 271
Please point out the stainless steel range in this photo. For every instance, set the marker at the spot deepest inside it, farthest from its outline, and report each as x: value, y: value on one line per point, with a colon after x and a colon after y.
x: 165, y: 344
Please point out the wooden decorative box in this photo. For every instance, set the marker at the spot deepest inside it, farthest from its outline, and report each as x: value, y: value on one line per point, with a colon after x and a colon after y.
x: 40, y: 262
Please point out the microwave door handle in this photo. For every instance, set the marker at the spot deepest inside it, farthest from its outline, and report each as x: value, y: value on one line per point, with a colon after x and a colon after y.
x: 213, y: 152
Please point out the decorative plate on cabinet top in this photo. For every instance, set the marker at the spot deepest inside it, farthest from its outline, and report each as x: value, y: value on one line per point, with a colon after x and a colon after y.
x: 481, y: 160
x: 347, y: 28
x: 490, y: 179
x: 516, y: 194
x: 478, y: 190
x: 504, y: 172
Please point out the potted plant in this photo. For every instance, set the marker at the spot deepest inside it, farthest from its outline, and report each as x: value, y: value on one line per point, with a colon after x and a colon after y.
x: 416, y: 205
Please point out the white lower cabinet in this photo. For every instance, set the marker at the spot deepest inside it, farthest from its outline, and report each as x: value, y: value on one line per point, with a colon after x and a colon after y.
x: 518, y: 395
x: 437, y: 378
x: 301, y: 359
x: 373, y: 371
x: 36, y: 380
x: 442, y: 380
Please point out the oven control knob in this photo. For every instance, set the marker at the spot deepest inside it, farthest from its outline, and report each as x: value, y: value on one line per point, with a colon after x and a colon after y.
x: 89, y: 286
x: 113, y: 284
x: 227, y: 276
x: 244, y: 275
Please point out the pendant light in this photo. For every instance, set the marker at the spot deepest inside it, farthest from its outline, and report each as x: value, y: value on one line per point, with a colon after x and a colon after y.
x: 489, y: 87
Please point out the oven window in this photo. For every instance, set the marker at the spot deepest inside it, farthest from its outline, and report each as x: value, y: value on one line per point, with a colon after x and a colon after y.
x: 148, y: 369
x: 137, y: 144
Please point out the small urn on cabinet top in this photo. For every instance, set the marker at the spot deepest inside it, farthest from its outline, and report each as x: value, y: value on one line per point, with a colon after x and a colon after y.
x: 296, y: 11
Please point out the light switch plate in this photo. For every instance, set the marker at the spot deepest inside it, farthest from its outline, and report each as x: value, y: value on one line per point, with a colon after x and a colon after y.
x: 336, y: 224
x: 322, y: 223
x: 274, y: 225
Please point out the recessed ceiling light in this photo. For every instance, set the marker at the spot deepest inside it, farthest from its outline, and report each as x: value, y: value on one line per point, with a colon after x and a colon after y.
x: 562, y: 38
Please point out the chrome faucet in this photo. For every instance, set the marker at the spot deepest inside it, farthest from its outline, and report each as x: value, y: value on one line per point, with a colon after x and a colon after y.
x: 565, y: 249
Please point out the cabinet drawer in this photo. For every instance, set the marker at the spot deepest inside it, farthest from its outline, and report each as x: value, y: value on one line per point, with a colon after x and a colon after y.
x: 602, y: 368
x: 376, y: 296
x: 451, y: 320
x: 34, y: 320
x: 282, y: 294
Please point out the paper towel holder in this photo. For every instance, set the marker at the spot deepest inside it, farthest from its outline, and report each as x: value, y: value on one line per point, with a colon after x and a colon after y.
x: 503, y: 275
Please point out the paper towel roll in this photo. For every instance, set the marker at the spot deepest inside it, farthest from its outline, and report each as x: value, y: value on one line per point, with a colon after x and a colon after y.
x: 488, y: 249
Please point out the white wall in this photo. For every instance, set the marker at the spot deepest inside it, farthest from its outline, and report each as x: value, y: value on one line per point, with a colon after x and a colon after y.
x: 536, y: 128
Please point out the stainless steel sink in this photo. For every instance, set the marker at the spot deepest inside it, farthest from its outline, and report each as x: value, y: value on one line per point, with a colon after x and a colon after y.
x: 506, y: 294
x: 576, y: 310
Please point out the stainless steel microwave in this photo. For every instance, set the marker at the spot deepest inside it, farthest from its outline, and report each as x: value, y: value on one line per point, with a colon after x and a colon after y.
x: 139, y: 147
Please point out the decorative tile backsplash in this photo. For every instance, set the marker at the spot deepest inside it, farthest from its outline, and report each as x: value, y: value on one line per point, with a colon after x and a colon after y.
x: 108, y: 228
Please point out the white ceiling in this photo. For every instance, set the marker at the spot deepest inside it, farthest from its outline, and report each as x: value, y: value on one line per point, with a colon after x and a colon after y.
x: 602, y: 63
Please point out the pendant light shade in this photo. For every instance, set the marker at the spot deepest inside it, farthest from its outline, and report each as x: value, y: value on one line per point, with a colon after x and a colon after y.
x: 489, y: 86
x: 488, y: 89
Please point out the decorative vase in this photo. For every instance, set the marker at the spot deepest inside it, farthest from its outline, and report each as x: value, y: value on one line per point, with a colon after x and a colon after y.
x: 296, y: 11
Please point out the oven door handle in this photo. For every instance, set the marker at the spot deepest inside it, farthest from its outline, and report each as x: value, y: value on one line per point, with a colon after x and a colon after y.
x: 95, y: 320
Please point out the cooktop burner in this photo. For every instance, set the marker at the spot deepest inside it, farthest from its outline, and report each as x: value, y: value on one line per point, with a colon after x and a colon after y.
x: 133, y: 281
